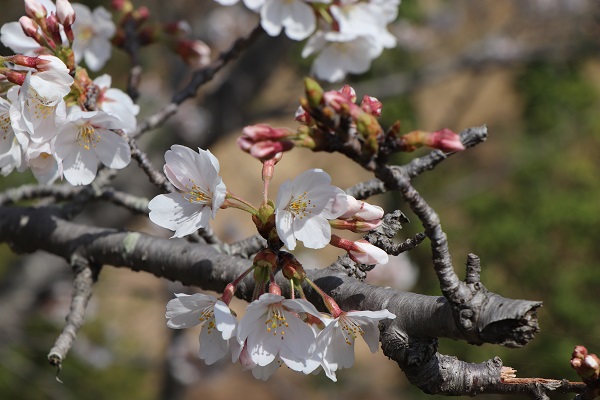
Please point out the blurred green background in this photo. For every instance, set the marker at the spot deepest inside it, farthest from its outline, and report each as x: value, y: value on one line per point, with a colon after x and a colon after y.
x: 526, y: 201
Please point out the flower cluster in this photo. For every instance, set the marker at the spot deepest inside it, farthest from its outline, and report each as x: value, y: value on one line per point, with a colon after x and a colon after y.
x: 55, y: 120
x: 276, y: 331
x: 347, y: 35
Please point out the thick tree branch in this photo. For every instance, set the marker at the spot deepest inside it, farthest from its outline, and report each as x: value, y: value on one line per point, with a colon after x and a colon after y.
x: 407, y: 339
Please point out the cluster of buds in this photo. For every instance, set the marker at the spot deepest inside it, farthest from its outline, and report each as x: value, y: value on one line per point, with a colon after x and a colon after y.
x: 52, y: 30
x: 175, y: 35
x: 444, y: 139
x: 334, y: 121
x: 586, y: 365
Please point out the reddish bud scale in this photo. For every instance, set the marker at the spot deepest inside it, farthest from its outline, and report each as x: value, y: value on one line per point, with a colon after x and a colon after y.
x: 228, y: 293
x: 274, y: 289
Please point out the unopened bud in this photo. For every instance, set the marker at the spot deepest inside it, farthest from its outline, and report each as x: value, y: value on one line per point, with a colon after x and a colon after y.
x: 291, y: 267
x: 348, y: 92
x: 29, y: 26
x: 195, y: 53
x: 65, y: 12
x: 445, y: 140
x: 274, y: 289
x: 371, y: 105
x: 228, y: 293
x: 35, y: 9
x: 314, y: 92
x: 579, y: 352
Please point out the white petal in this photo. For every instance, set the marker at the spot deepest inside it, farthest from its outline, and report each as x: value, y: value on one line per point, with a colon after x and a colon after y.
x: 212, y: 345
x: 225, y: 322
x: 112, y: 149
x: 314, y: 232
x: 80, y: 167
x: 284, y: 222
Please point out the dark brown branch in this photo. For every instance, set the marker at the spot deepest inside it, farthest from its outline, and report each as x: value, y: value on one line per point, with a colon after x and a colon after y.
x: 419, y: 317
x: 199, y: 78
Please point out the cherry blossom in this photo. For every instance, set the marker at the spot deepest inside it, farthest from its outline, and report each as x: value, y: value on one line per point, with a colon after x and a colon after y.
x: 86, y: 138
x: 196, y: 176
x: 296, y: 16
x: 341, y: 53
x: 116, y: 102
x: 271, y: 328
x: 10, y: 151
x: 93, y: 31
x: 304, y: 207
x: 186, y: 311
x: 37, y: 107
x: 335, y: 343
x: 254, y: 5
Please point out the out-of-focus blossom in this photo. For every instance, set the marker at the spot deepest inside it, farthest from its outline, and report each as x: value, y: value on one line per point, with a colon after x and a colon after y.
x: 116, y: 102
x: 93, y: 31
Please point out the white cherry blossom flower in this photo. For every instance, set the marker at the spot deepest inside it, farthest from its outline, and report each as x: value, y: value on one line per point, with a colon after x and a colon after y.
x: 196, y: 176
x: 296, y: 16
x: 116, y: 102
x: 10, y: 150
x: 37, y: 107
x: 93, y: 31
x: 366, y: 19
x: 271, y: 328
x: 254, y: 5
x: 43, y: 163
x: 218, y: 323
x: 335, y: 343
x: 304, y: 207
x: 341, y: 53
x: 86, y: 138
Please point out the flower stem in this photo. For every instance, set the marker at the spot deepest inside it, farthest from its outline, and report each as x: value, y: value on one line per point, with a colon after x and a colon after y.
x: 330, y: 303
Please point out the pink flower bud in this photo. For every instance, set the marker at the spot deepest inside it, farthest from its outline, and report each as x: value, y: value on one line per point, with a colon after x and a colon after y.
x: 361, y: 251
x: 268, y: 149
x: 371, y: 105
x: 50, y: 63
x: 579, y: 352
x: 445, y: 140
x: 265, y: 132
x: 65, y: 12
x: 29, y: 26
x: 302, y: 116
x: 337, y: 100
x: 195, y: 53
x: 361, y: 210
x: 365, y: 253
x: 348, y: 92
x: 35, y: 9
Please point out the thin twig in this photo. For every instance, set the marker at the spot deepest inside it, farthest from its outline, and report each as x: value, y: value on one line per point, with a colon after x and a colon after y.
x: 83, y: 283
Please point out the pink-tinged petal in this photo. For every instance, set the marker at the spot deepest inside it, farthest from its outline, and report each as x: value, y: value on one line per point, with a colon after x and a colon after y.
x: 315, y: 232
x: 173, y: 178
x: 112, y: 149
